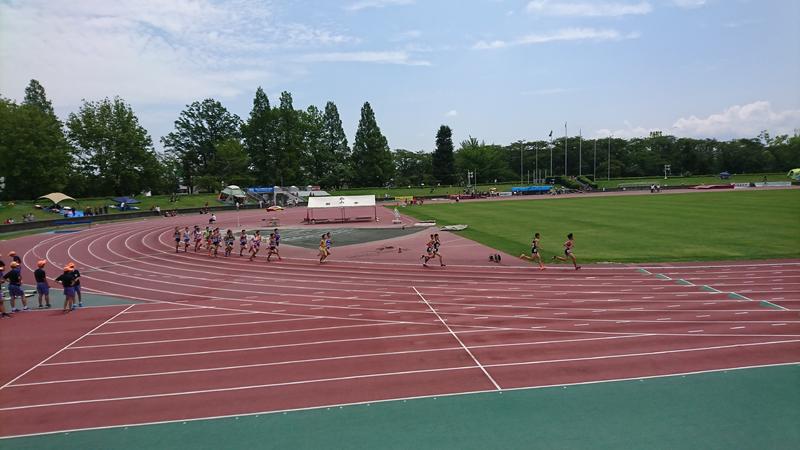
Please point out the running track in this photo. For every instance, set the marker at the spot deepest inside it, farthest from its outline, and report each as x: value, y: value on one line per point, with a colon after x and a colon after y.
x: 223, y: 337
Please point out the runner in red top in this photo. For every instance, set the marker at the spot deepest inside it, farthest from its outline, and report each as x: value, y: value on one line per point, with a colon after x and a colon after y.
x: 568, y: 255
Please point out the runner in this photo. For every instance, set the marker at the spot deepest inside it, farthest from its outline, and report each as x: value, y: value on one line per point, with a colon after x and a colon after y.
x: 429, y: 254
x: 436, y: 245
x: 76, y: 283
x: 255, y: 245
x: 535, y: 256
x: 323, y: 249
x: 242, y: 242
x: 207, y: 238
x: 198, y: 238
x: 568, y: 255
x: 277, y: 238
x: 328, y: 243
x: 177, y: 236
x: 216, y: 239
x: 14, y: 278
x: 273, y: 247
x: 230, y: 239
x: 186, y: 239
x: 42, y: 288
x: 67, y: 278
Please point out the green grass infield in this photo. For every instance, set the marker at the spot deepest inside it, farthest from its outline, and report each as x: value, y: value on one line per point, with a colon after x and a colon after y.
x: 642, y: 228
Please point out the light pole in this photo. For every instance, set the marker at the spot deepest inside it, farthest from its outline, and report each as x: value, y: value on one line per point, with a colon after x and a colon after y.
x: 521, y: 179
x: 594, y: 166
x: 536, y: 172
x: 580, y: 152
x: 566, y: 139
x: 608, y: 160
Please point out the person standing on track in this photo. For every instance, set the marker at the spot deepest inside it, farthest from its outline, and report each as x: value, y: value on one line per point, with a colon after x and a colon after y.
x: 535, y: 256
x: 67, y: 279
x: 569, y: 246
x: 76, y: 282
x: 3, y: 312
x: 273, y: 247
x: 242, y: 241
x: 255, y: 245
x: 42, y: 288
x: 14, y: 278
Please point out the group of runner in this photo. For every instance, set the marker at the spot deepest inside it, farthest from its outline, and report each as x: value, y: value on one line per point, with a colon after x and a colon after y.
x: 432, y: 251
x: 213, y: 239
x: 70, y: 281
x: 569, y: 246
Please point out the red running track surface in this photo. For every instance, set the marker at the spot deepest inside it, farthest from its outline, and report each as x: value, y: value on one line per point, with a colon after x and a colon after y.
x: 225, y: 336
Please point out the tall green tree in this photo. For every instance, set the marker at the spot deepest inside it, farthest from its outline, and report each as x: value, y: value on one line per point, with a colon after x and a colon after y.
x: 334, y: 141
x: 289, y: 152
x: 198, y: 131
x: 413, y: 168
x: 115, y: 151
x: 36, y: 158
x: 443, y: 160
x: 316, y: 157
x: 371, y: 160
x: 487, y: 161
x: 35, y: 96
x: 260, y: 141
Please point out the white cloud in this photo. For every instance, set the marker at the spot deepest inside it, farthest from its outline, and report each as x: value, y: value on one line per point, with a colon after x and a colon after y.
x: 689, y: 3
x: 386, y: 57
x: 451, y: 113
x: 588, y: 9
x: 740, y: 121
x: 147, y: 51
x: 367, y: 4
x: 408, y: 35
x: 566, y: 34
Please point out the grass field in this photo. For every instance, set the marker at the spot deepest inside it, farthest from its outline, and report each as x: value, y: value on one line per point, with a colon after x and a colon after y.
x: 19, y: 209
x: 663, y: 227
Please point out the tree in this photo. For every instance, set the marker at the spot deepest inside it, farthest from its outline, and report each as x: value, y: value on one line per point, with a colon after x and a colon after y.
x: 488, y: 161
x: 35, y: 156
x: 289, y: 150
x: 371, y: 159
x: 334, y: 142
x: 413, y: 168
x: 260, y: 140
x: 443, y: 162
x: 317, y: 159
x: 198, y: 130
x: 232, y: 163
x: 115, y: 152
x: 36, y: 97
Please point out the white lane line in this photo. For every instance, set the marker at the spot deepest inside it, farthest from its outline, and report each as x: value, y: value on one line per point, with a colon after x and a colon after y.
x: 355, y: 315
x: 702, y: 315
x: 481, y: 318
x: 459, y: 340
x: 663, y: 318
x: 740, y: 313
x: 581, y: 325
x: 737, y: 328
x: 44, y: 361
x: 695, y: 331
x: 366, y: 376
x: 778, y: 324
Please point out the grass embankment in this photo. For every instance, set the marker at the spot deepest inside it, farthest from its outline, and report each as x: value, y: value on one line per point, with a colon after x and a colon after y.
x: 19, y: 209
x: 661, y: 227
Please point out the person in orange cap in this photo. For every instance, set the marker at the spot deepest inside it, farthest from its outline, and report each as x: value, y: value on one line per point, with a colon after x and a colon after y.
x: 66, y: 279
x: 14, y: 258
x: 76, y: 282
x: 14, y: 278
x: 42, y: 288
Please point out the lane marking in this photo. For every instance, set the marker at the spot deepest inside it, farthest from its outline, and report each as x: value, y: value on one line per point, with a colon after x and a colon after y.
x: 497, y: 386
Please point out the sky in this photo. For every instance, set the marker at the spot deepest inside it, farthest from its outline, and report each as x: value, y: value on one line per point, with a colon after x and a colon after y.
x: 497, y: 70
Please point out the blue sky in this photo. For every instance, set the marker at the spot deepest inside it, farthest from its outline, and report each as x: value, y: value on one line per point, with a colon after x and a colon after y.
x: 498, y: 70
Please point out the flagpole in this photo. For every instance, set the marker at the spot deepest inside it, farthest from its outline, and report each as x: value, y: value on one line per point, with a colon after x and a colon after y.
x: 580, y: 152
x: 565, y: 149
x: 594, y: 166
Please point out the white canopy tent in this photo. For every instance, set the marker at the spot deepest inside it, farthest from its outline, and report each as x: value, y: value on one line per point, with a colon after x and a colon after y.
x: 342, y: 206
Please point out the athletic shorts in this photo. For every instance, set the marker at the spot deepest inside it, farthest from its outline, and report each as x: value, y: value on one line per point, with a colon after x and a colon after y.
x: 15, y: 290
x: 177, y: 239
x: 77, y: 287
x: 42, y: 288
x: 567, y: 252
x: 69, y: 291
x: 534, y: 250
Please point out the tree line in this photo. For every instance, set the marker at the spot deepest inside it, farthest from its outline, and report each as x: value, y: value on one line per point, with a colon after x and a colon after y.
x: 101, y: 149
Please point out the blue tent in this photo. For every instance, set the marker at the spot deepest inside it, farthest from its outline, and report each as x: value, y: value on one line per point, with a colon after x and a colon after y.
x: 261, y: 190
x: 126, y: 200
x: 531, y: 189
x: 724, y: 175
